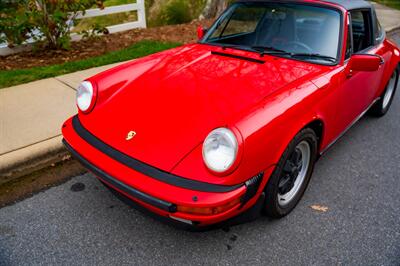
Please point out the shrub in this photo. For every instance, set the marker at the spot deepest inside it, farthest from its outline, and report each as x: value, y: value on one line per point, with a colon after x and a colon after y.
x: 53, y: 19
x: 164, y: 12
x: 46, y: 21
x: 15, y: 26
x: 175, y: 12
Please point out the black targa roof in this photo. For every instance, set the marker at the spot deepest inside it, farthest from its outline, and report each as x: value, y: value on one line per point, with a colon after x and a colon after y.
x: 347, y: 4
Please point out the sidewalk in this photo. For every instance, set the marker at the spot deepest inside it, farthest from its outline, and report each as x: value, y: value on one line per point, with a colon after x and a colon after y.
x: 31, y: 115
x: 388, y: 17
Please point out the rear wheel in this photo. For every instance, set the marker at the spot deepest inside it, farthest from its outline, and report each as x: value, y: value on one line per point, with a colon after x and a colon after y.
x: 290, y: 178
x: 382, y: 106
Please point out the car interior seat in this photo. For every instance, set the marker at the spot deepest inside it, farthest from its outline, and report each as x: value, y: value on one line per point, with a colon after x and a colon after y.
x: 275, y: 29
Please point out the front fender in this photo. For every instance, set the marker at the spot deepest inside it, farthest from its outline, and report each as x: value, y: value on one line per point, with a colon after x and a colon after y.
x: 267, y: 130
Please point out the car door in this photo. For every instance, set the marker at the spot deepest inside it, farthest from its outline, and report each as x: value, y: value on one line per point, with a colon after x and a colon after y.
x: 358, y: 90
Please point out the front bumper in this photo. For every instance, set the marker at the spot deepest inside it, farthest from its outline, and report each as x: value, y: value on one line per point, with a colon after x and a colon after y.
x: 111, y: 181
x: 156, y: 190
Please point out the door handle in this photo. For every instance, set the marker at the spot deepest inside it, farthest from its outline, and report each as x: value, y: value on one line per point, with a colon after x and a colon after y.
x: 382, y: 60
x: 349, y: 74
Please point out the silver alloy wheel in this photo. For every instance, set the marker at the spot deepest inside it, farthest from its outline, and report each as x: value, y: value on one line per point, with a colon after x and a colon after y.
x: 305, y: 150
x: 389, y: 91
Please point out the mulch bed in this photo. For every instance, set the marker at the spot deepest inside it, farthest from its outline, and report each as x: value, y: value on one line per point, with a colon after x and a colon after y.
x: 184, y: 33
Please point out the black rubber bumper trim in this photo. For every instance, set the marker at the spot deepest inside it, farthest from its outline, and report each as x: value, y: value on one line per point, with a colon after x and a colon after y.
x: 161, y: 204
x: 145, y: 168
x: 252, y: 186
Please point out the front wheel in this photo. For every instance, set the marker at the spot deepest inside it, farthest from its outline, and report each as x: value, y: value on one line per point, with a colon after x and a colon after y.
x: 290, y: 178
x: 382, y: 106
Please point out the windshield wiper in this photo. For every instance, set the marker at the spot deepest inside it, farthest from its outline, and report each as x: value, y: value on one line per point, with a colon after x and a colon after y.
x: 314, y: 56
x: 267, y: 50
x: 263, y: 50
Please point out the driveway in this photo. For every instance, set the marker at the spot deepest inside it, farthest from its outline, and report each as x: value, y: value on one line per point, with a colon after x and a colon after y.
x: 358, y: 180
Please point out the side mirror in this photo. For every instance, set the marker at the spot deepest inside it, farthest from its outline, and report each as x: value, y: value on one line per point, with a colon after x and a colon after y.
x: 201, y: 32
x: 364, y: 63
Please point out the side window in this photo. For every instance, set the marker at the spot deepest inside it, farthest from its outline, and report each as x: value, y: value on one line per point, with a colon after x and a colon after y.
x: 379, y: 32
x: 349, y: 48
x: 361, y: 26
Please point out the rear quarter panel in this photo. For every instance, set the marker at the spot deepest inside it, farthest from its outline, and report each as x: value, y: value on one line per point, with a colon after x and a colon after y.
x: 390, y: 53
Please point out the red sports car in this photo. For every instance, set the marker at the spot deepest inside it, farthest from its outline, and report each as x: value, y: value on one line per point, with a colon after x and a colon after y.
x: 231, y: 126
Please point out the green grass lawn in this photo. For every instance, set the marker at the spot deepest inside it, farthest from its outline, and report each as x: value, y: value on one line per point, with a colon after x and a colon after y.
x: 118, y: 2
x: 390, y: 3
x: 140, y: 49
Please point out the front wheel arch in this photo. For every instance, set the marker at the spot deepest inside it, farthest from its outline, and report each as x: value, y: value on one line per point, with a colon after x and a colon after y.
x: 316, y: 124
x: 318, y: 127
x: 272, y: 207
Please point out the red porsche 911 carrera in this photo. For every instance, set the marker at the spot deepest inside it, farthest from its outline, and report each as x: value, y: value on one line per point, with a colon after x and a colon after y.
x: 231, y: 126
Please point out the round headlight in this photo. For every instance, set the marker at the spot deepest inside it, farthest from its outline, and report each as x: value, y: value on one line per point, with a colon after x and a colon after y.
x: 220, y: 150
x: 84, y: 96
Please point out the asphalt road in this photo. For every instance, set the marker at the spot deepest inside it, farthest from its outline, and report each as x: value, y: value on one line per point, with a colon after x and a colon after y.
x: 358, y: 180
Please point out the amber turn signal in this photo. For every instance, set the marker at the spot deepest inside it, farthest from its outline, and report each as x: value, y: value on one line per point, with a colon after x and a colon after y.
x: 209, y: 210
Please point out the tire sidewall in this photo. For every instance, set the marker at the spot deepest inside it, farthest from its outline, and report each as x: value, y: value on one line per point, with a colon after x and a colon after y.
x: 272, y: 206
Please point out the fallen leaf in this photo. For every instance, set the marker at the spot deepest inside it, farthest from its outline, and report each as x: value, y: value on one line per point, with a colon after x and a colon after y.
x: 319, y: 208
x: 66, y: 157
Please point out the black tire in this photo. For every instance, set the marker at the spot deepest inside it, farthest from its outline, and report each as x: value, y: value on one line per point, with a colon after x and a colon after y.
x: 378, y: 109
x: 272, y: 206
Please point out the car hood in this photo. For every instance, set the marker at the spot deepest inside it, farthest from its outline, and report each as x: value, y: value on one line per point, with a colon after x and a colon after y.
x: 172, y: 100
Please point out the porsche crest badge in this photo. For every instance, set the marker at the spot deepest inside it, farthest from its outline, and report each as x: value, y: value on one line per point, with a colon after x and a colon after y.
x: 130, y: 135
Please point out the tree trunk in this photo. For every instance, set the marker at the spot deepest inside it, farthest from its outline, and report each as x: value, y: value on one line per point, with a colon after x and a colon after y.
x: 213, y: 9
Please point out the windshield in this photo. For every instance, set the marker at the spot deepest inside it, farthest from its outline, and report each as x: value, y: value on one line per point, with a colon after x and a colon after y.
x: 305, y: 31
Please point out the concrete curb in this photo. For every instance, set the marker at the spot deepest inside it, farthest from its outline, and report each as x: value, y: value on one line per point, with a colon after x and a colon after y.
x: 393, y: 31
x: 32, y: 158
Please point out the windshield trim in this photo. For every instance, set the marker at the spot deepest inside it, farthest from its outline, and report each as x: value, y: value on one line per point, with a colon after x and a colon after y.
x: 320, y: 5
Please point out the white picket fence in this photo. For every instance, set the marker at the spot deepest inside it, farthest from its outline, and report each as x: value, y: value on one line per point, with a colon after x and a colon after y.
x: 139, y: 7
